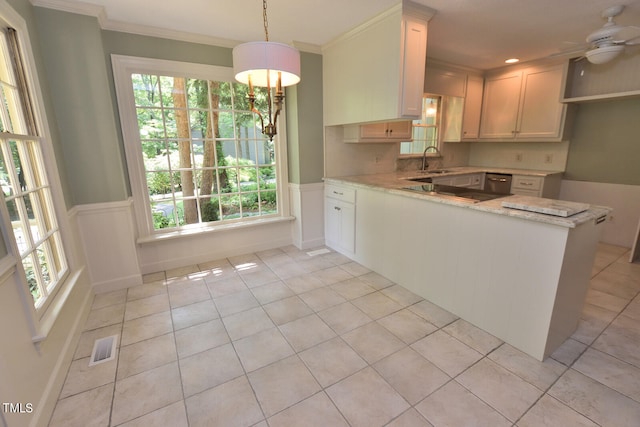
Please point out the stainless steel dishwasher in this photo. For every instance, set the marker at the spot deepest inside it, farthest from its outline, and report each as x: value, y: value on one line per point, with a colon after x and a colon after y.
x: 498, y: 183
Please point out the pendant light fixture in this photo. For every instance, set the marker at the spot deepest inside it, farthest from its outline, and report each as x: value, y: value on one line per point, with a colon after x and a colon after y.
x: 267, y: 64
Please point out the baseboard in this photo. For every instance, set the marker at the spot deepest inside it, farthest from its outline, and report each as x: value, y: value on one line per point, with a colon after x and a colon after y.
x: 117, y: 284
x: 58, y: 376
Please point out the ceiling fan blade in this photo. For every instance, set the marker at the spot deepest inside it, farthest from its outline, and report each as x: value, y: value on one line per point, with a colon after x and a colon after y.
x: 570, y: 51
x: 627, y: 33
x: 632, y: 41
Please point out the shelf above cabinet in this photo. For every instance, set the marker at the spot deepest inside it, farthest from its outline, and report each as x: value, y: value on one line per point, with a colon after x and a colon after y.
x: 588, y: 82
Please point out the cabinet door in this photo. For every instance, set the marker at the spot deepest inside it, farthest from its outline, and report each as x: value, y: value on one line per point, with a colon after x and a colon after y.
x: 472, y: 108
x: 413, y: 60
x: 541, y: 112
x: 340, y: 225
x: 400, y: 130
x: 451, y: 121
x: 373, y: 130
x: 500, y: 105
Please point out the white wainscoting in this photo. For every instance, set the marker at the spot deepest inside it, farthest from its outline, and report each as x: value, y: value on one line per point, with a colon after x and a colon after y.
x: 621, y: 227
x: 307, y: 206
x: 108, y: 237
x: 197, y: 248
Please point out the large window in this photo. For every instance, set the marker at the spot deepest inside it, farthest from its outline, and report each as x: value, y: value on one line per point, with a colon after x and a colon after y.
x: 195, y: 152
x: 25, y: 186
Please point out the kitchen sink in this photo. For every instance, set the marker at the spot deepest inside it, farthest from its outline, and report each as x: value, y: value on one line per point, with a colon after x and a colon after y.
x: 423, y: 179
x: 438, y: 171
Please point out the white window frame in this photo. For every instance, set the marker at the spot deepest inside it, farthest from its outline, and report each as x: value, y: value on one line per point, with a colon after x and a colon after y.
x: 42, y: 318
x: 123, y: 68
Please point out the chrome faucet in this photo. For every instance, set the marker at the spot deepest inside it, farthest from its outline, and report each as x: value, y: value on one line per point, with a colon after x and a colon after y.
x: 425, y: 165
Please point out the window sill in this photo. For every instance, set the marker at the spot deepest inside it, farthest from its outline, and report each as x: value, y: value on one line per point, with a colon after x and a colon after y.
x: 52, y: 312
x: 197, y: 231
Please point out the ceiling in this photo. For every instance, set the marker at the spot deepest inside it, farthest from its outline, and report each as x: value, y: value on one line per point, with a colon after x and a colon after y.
x: 479, y: 34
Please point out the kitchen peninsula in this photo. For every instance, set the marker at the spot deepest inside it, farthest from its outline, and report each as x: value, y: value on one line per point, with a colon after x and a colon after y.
x: 521, y: 276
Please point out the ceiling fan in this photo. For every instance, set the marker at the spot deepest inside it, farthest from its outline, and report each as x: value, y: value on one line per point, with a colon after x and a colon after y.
x: 606, y: 43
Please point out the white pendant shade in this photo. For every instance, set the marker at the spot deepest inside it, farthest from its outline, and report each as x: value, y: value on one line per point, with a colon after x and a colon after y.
x: 255, y: 58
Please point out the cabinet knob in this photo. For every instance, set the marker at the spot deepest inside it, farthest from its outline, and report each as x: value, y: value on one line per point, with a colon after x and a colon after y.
x: 337, y: 208
x: 338, y: 193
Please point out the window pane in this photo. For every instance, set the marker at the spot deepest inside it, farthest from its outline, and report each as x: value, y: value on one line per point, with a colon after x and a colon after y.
x: 171, y: 90
x: 246, y: 152
x: 222, y: 92
x: 250, y: 204
x: 11, y: 121
x: 246, y: 125
x: 43, y: 261
x: 267, y: 178
x: 240, y: 101
x: 200, y: 126
x: 224, y: 124
x: 33, y: 278
x: 266, y: 152
x: 227, y: 149
x: 230, y: 206
x: 146, y: 90
x: 210, y: 209
x: 150, y: 123
x: 171, y: 118
x: 268, y: 201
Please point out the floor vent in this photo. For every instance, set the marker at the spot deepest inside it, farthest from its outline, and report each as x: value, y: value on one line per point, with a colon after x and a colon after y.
x: 104, y: 350
x: 318, y: 252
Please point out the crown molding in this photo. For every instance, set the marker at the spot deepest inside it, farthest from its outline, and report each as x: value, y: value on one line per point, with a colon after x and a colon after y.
x: 100, y: 13
x: 80, y: 8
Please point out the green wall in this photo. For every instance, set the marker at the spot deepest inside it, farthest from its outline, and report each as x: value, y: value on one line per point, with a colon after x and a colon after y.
x: 305, y: 131
x: 79, y: 84
x: 605, y: 144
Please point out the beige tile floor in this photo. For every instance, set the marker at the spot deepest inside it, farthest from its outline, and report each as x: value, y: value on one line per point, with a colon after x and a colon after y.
x: 281, y: 338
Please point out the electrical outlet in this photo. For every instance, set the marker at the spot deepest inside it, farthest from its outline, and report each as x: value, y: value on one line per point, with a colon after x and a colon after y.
x: 518, y: 157
x: 548, y: 158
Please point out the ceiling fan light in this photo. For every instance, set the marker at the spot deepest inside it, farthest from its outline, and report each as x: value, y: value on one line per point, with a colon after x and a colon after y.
x: 604, y: 54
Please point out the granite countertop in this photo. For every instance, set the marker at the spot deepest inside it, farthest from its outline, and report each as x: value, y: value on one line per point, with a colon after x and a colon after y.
x: 394, y: 182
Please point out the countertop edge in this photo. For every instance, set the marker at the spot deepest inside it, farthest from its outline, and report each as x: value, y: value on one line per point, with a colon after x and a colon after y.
x: 393, y: 182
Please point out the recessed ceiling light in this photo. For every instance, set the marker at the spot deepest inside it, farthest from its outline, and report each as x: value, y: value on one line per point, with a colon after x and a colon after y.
x: 512, y: 60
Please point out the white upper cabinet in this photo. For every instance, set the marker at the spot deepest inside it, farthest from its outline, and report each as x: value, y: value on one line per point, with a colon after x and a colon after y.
x: 461, y: 89
x: 524, y: 104
x: 376, y: 71
x: 472, y: 108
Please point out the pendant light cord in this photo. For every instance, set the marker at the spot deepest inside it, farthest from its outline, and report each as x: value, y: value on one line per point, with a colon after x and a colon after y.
x: 264, y: 17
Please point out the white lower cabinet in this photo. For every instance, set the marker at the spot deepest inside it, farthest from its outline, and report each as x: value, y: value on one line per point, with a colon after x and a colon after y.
x: 536, y: 186
x: 340, y: 218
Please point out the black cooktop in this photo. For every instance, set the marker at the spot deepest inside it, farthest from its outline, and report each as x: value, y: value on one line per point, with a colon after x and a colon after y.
x: 463, y: 192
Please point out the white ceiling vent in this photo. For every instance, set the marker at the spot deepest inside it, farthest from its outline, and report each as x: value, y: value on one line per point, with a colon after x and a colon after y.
x: 104, y: 350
